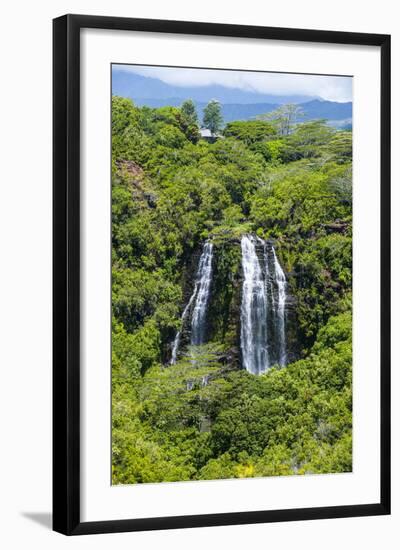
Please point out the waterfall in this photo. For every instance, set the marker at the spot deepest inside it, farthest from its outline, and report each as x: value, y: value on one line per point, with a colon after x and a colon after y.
x: 262, y: 311
x: 175, y: 345
x: 203, y: 283
x: 253, y: 313
x: 201, y: 292
x: 280, y: 309
x: 262, y: 317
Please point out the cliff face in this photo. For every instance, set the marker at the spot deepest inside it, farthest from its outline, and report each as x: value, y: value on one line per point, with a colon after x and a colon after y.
x: 223, y: 314
x: 223, y: 304
x: 225, y: 299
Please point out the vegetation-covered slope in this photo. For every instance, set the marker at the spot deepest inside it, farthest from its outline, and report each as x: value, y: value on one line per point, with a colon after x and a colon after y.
x: 205, y: 417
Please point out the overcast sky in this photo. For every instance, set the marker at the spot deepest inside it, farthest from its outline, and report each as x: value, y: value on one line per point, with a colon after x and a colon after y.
x: 333, y: 88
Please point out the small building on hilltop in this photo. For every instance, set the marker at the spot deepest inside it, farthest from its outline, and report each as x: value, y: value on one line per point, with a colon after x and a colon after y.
x: 208, y: 136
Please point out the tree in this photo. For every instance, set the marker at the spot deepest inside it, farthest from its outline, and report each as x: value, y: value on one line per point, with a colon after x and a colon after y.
x: 284, y: 117
x: 212, y: 117
x: 308, y: 140
x: 250, y: 131
x: 188, y: 109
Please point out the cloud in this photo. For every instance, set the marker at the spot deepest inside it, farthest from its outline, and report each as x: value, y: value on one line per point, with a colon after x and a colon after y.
x: 333, y: 88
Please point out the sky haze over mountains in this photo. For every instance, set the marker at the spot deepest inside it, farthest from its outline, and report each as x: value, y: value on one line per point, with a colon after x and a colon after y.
x: 242, y: 94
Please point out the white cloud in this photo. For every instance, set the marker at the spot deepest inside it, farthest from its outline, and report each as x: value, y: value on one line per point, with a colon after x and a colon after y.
x: 334, y: 88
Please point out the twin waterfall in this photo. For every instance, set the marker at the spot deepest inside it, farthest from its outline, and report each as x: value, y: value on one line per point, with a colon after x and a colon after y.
x: 200, y: 297
x: 262, y: 312
x: 203, y: 283
x: 254, y: 311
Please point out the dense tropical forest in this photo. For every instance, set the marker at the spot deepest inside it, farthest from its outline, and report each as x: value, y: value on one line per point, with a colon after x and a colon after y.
x: 184, y: 404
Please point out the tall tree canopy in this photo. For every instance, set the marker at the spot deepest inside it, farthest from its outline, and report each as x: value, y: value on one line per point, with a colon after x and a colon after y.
x: 284, y: 118
x: 212, y: 117
x: 189, y: 112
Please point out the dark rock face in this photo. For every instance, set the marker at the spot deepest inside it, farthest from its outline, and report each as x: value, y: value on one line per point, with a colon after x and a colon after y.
x: 292, y: 337
x: 224, y: 307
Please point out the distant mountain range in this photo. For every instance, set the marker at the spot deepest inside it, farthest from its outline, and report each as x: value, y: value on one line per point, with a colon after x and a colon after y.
x: 236, y: 104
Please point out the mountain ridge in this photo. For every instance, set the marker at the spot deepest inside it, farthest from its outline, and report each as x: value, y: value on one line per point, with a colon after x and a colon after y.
x: 146, y: 87
x: 140, y: 90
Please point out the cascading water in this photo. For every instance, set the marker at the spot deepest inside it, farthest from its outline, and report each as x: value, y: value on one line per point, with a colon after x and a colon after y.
x: 203, y: 282
x: 280, y: 309
x: 201, y: 293
x: 175, y: 345
x: 262, y: 337
x: 253, y: 313
x: 262, y: 313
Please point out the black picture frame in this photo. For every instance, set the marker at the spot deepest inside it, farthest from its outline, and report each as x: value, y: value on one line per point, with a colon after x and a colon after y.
x: 66, y: 273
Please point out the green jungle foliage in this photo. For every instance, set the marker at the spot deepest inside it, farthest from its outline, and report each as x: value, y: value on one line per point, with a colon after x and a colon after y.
x: 170, y: 192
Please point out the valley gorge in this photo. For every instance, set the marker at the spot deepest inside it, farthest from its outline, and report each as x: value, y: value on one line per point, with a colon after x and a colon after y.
x: 231, y: 298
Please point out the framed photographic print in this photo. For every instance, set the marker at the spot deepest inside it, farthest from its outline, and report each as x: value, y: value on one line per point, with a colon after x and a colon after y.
x: 221, y: 274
